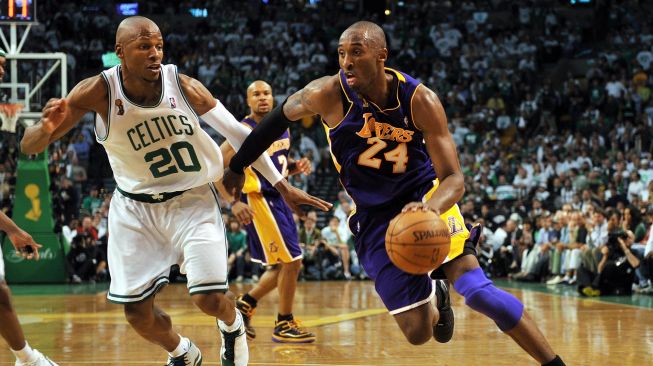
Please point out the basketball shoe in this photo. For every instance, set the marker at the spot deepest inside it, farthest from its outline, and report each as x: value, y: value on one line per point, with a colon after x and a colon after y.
x: 233, y: 351
x: 289, y: 331
x: 192, y: 357
x: 443, y: 330
x: 40, y: 360
x: 247, y: 311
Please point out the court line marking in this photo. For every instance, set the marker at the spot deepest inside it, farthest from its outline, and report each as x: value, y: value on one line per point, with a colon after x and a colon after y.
x: 113, y: 362
x: 117, y: 317
x: 577, y: 298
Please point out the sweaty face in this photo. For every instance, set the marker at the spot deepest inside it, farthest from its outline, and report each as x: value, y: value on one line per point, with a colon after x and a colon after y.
x: 142, y: 54
x: 358, y: 58
x: 259, y: 98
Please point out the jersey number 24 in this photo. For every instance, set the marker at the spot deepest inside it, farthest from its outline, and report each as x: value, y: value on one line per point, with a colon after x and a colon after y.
x: 398, y: 156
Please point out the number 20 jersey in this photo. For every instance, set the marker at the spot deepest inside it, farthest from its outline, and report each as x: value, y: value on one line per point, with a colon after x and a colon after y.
x: 159, y: 148
x: 379, y: 153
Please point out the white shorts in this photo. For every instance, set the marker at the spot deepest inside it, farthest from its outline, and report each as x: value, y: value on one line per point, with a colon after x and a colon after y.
x: 145, y: 239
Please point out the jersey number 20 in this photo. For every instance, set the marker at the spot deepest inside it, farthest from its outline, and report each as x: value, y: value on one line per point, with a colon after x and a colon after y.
x: 163, y: 157
x: 398, y: 156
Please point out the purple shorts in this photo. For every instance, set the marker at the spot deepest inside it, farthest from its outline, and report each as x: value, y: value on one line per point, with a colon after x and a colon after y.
x: 272, y: 236
x: 400, y: 291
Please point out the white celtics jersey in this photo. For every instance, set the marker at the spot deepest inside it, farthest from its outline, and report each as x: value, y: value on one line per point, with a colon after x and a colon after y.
x: 159, y: 148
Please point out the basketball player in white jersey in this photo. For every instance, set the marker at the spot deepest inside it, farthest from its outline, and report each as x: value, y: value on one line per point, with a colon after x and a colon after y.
x: 9, y: 326
x: 165, y: 209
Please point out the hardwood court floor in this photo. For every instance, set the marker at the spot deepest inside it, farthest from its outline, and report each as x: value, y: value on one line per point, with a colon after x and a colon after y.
x: 352, y: 327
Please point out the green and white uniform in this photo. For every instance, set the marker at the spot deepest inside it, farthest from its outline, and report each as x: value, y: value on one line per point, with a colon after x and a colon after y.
x: 165, y: 209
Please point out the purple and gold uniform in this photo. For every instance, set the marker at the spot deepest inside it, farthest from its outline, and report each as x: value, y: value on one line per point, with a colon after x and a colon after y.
x: 272, y: 235
x: 383, y: 165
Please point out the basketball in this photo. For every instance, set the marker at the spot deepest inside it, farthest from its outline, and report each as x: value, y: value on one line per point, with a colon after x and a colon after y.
x: 417, y: 242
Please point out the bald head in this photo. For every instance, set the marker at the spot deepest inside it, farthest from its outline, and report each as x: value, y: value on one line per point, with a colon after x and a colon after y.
x: 258, y: 85
x: 259, y: 98
x: 366, y: 33
x: 134, y: 27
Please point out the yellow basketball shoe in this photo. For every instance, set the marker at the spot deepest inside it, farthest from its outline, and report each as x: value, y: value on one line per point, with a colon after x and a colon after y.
x: 247, y: 311
x: 289, y: 331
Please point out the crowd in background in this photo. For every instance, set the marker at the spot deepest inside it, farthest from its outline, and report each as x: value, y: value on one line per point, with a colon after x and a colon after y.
x: 550, y: 107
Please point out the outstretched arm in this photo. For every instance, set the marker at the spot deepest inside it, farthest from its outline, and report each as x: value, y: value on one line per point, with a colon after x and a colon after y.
x: 22, y: 241
x: 314, y: 98
x: 219, y: 118
x: 60, y: 115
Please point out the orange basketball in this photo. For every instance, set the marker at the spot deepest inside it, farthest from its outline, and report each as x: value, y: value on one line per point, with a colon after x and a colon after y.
x: 417, y: 242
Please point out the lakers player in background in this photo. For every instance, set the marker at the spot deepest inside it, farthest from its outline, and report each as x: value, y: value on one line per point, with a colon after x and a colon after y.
x: 165, y: 210
x: 389, y: 139
x: 9, y: 326
x: 271, y: 232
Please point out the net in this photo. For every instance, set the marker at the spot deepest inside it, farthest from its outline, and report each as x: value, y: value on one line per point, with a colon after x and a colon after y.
x: 9, y: 114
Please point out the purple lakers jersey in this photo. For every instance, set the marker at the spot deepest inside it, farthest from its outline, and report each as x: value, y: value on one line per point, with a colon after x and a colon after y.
x: 278, y: 152
x: 380, y: 154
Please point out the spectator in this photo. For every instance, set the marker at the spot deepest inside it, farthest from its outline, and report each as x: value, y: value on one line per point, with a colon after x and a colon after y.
x: 336, y: 237
x: 616, y: 270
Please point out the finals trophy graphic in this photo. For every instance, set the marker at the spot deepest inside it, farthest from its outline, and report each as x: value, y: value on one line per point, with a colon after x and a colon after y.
x: 32, y: 211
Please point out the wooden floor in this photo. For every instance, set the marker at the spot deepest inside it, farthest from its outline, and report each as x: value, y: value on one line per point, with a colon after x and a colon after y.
x: 352, y: 327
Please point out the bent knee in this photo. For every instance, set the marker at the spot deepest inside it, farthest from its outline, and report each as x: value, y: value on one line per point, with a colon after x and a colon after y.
x: 418, y: 336
x: 212, y: 303
x: 138, y: 314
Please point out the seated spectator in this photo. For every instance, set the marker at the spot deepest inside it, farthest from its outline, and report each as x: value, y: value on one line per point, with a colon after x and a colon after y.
x: 615, y: 272
x: 570, y: 249
x: 309, y: 234
x: 336, y: 237
x: 87, y: 228
x: 70, y: 231
x: 92, y: 202
x: 535, y: 260
x: 86, y: 262
x: 239, y: 262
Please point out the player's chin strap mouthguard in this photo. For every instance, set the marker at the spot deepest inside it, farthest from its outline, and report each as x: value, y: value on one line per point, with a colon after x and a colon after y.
x: 273, y: 125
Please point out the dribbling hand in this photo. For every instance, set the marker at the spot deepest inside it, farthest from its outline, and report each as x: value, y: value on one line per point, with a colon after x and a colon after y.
x: 53, y: 114
x: 419, y: 206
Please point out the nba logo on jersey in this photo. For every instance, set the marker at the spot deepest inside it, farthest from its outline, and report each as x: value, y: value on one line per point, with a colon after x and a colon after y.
x: 453, y: 226
x: 121, y: 109
x: 173, y: 104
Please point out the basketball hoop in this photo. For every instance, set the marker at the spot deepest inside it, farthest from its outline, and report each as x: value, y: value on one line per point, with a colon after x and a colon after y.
x: 9, y: 114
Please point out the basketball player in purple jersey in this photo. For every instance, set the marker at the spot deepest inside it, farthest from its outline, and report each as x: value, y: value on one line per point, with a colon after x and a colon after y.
x: 389, y: 140
x: 271, y: 232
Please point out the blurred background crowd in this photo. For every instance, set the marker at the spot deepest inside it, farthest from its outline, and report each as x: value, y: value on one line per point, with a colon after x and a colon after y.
x: 548, y: 102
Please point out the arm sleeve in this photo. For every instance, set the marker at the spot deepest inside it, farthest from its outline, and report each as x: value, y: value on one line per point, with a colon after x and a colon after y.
x: 220, y: 119
x: 273, y: 125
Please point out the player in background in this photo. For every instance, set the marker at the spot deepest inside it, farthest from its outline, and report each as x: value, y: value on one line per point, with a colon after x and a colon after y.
x: 271, y: 232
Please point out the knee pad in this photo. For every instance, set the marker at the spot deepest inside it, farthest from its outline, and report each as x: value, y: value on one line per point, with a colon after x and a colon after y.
x: 481, y: 295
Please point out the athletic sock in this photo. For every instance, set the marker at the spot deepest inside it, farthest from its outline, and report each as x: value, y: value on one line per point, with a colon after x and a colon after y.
x: 182, y: 347
x: 233, y: 327
x: 287, y: 317
x: 24, y: 355
x: 555, y: 362
x: 250, y: 300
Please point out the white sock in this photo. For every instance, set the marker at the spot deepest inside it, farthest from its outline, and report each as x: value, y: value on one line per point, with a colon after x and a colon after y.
x: 182, y: 347
x: 233, y: 327
x: 24, y: 355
